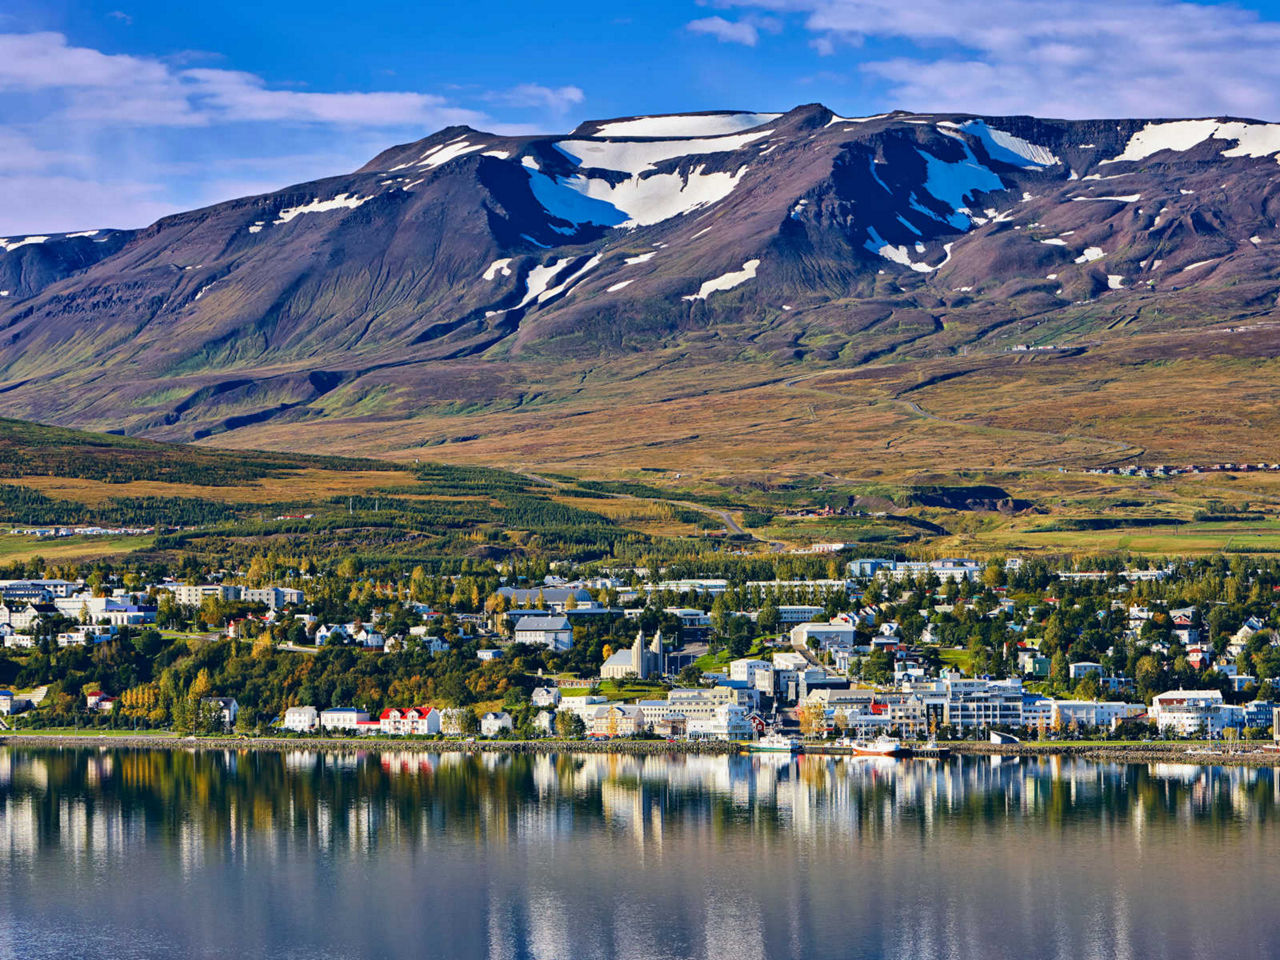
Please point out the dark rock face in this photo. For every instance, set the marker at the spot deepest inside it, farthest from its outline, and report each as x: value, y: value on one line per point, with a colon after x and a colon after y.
x: 418, y: 281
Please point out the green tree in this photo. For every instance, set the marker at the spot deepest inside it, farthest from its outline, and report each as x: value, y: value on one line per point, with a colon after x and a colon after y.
x: 569, y: 725
x: 768, y: 619
x: 469, y: 723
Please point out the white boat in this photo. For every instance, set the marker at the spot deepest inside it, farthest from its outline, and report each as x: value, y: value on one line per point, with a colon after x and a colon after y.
x: 775, y: 743
x: 881, y: 746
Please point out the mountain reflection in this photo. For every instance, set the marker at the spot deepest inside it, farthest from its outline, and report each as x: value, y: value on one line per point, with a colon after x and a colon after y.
x: 501, y: 856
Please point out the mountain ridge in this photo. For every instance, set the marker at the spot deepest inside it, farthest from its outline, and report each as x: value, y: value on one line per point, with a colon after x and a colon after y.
x: 468, y: 272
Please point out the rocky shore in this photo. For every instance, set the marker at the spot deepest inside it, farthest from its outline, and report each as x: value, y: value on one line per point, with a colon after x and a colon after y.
x: 1216, y: 753
x: 344, y: 744
x: 1208, y: 753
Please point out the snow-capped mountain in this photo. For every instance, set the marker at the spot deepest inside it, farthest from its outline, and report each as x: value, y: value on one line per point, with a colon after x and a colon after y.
x: 416, y: 283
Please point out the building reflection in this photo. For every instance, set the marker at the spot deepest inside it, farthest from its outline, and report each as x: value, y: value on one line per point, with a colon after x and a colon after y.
x: 609, y: 852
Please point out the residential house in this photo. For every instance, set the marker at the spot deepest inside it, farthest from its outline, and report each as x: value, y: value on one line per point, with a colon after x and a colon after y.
x: 301, y: 719
x: 29, y: 616
x: 495, y: 724
x: 226, y: 708
x: 545, y: 696
x: 413, y: 720
x: 618, y: 720
x: 1084, y: 668
x: 342, y: 718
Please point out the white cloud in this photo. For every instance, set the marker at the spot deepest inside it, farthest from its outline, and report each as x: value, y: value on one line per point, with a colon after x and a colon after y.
x: 138, y: 91
x: 745, y: 31
x: 90, y: 139
x: 557, y: 100
x: 726, y: 31
x: 1054, y: 57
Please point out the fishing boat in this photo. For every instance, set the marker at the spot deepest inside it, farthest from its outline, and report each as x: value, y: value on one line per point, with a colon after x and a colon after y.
x: 881, y: 746
x: 775, y: 743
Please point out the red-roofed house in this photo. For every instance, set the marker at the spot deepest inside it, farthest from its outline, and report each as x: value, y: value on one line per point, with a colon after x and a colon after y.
x: 419, y: 720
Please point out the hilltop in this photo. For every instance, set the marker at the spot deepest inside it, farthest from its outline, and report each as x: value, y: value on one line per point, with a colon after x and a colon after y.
x: 720, y: 292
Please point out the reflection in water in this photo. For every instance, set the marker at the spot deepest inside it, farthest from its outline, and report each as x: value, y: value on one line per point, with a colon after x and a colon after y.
x: 383, y: 854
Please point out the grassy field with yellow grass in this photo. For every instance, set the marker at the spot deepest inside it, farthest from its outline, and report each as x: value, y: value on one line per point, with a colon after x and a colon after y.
x: 288, y: 486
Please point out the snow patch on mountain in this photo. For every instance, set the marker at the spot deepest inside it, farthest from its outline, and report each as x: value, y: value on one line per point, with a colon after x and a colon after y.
x: 503, y: 265
x: 834, y: 119
x: 953, y: 183
x: 637, y: 157
x: 636, y: 202
x: 540, y: 278
x: 726, y: 281
x: 342, y: 201
x: 901, y: 255
x: 1251, y: 139
x: 619, y: 286
x: 685, y: 125
x: 538, y: 286
x: 1004, y: 146
x: 1091, y: 254
x: 14, y: 244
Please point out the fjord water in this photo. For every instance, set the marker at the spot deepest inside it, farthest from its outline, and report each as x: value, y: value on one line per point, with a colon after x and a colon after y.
x: 147, y: 853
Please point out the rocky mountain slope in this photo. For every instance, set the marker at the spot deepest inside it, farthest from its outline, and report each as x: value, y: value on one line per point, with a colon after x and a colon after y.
x: 470, y: 271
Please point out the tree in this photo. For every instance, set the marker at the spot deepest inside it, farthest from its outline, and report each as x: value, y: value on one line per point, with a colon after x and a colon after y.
x: 469, y: 723
x: 768, y: 619
x: 1058, y: 670
x: 569, y: 725
x: 812, y: 718
x: 691, y: 675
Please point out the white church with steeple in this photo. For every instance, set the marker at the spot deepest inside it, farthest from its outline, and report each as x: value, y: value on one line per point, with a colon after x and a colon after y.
x: 641, y: 662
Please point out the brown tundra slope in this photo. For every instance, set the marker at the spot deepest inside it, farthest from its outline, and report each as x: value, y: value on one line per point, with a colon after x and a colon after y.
x: 453, y: 286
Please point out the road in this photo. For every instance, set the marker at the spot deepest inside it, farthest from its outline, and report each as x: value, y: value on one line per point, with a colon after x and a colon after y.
x: 804, y: 651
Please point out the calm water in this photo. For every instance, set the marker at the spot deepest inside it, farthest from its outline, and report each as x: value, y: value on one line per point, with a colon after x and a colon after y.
x: 157, y: 853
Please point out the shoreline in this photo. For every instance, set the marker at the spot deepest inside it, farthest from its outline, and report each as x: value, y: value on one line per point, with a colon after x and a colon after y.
x: 343, y: 744
x: 1205, y: 753
x: 1200, y: 753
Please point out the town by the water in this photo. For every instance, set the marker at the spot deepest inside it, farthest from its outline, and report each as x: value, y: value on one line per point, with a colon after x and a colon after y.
x: 876, y: 657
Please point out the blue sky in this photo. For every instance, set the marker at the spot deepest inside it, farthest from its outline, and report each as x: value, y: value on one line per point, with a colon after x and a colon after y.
x: 114, y: 113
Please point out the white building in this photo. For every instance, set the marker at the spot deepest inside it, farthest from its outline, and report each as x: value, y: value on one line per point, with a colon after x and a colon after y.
x: 495, y: 724
x: 421, y: 721
x: 1092, y: 713
x: 1188, y: 712
x: 301, y: 719
x: 789, y: 614
x: 545, y: 696
x: 342, y: 718
x: 551, y: 632
x: 825, y: 634
x: 746, y: 670
x: 727, y: 721
x: 584, y: 707
x: 226, y: 707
